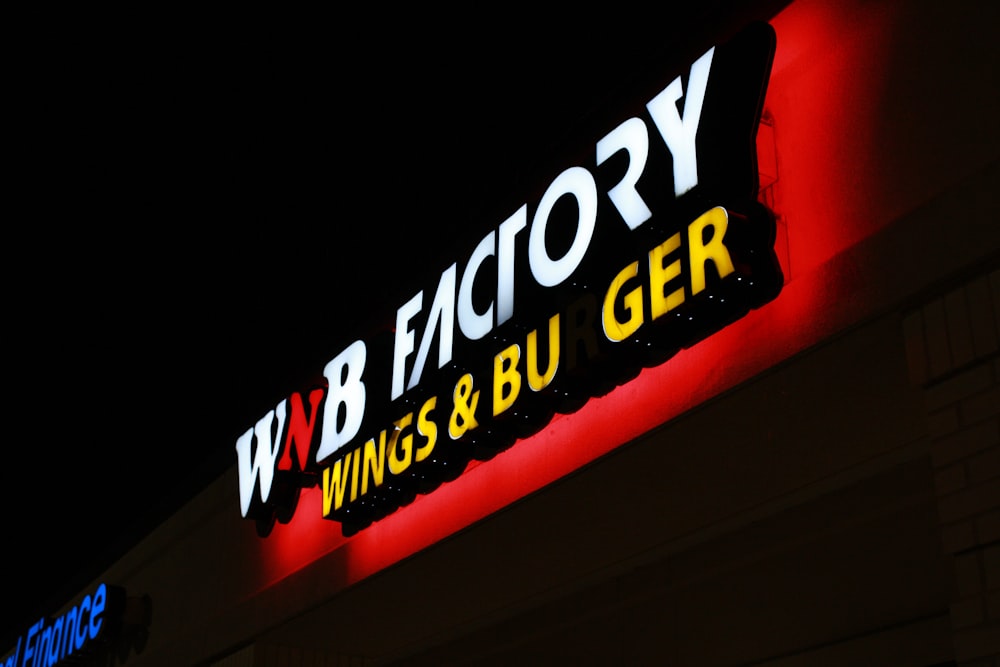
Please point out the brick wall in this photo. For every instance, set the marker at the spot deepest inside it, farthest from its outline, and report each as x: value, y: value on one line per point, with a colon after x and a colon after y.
x: 953, y: 349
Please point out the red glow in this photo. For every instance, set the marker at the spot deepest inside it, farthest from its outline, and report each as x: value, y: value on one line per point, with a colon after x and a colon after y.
x: 824, y: 93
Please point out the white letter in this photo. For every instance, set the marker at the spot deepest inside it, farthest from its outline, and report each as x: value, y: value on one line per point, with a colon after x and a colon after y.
x: 347, y: 389
x: 403, y: 344
x: 679, y: 134
x: 578, y: 182
x: 442, y: 314
x: 260, y: 463
x: 475, y: 325
x: 633, y: 138
x: 505, y: 263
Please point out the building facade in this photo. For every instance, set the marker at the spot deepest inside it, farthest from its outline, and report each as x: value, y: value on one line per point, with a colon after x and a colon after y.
x: 813, y: 482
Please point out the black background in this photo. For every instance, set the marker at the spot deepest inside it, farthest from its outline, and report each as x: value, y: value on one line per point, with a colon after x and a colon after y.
x: 206, y: 209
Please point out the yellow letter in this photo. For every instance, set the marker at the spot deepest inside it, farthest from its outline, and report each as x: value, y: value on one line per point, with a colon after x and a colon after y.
x: 463, y: 413
x: 660, y: 275
x: 618, y: 331
x: 502, y: 377
x: 354, y: 474
x: 714, y: 250
x: 535, y: 381
x: 396, y: 464
x: 335, y: 484
x: 374, y: 463
x: 427, y: 428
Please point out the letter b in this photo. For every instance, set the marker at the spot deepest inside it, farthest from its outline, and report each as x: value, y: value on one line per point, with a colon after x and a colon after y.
x: 343, y: 373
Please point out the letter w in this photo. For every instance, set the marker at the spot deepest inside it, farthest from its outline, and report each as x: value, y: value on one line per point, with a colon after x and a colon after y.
x: 259, y: 463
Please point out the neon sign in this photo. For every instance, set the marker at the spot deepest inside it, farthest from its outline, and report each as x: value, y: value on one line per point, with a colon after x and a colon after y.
x: 76, y: 633
x: 651, y: 243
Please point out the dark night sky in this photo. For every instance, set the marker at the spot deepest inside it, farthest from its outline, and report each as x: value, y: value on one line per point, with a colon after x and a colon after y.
x: 213, y: 207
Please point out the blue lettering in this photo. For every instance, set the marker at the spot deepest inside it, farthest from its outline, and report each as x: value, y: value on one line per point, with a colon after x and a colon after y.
x: 12, y: 660
x: 80, y: 638
x: 46, y: 645
x: 55, y: 642
x: 29, y: 650
x: 67, y: 644
x: 100, y: 599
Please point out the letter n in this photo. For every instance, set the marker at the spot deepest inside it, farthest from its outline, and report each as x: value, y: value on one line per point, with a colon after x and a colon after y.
x: 300, y: 430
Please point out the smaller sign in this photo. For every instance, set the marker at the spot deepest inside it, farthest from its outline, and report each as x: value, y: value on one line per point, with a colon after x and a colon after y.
x: 91, y: 623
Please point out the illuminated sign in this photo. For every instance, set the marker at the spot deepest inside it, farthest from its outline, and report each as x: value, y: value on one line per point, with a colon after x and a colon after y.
x: 76, y: 633
x: 647, y: 244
